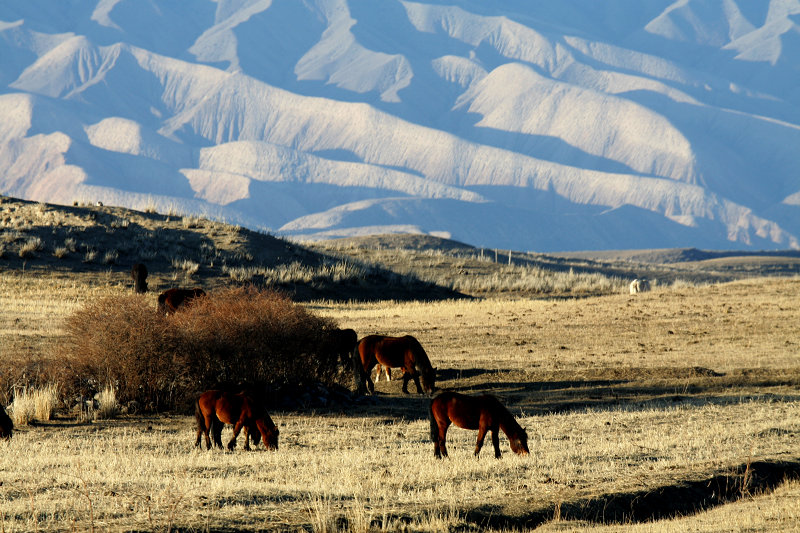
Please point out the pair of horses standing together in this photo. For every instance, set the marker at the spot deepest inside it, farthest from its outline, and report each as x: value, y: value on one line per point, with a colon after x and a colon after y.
x: 394, y: 352
x: 482, y: 413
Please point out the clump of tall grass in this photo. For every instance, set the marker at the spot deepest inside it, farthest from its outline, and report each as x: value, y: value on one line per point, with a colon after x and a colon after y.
x: 188, y: 266
x: 110, y: 257
x: 90, y: 255
x: 342, y: 271
x: 107, y: 405
x: 29, y: 247
x: 532, y: 279
x: 34, y: 404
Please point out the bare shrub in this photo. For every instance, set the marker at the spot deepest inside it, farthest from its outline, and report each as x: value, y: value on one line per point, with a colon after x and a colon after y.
x: 234, y: 336
x: 122, y: 341
x: 60, y: 252
x: 252, y: 335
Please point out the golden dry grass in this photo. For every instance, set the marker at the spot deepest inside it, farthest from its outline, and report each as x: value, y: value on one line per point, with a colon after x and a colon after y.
x: 619, y: 394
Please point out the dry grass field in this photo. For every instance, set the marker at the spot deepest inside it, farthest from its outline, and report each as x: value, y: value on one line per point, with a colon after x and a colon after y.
x: 640, y: 411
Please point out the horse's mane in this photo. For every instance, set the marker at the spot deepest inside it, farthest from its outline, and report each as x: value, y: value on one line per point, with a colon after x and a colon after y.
x: 508, y: 421
x: 420, y: 356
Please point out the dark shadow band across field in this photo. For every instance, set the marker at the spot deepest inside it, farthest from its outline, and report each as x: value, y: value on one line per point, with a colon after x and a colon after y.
x: 680, y: 499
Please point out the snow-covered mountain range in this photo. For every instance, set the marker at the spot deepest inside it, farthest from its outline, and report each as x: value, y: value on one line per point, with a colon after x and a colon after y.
x: 527, y: 124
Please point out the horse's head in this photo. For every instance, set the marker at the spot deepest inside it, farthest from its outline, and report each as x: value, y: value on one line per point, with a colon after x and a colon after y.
x: 519, y: 443
x: 427, y: 376
x: 269, y: 432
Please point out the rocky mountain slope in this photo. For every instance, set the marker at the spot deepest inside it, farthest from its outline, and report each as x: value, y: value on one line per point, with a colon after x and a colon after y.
x: 534, y: 125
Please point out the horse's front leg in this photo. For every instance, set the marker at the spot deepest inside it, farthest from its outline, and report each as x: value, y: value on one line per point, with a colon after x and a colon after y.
x: 481, y: 435
x: 407, y: 376
x: 413, y: 376
x: 236, y: 429
x: 246, y: 439
x: 209, y: 420
x: 496, y: 443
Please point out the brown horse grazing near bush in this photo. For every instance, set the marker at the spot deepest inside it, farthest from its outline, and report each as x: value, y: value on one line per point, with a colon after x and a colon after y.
x: 170, y: 300
x: 6, y: 425
x: 341, y: 343
x: 139, y: 276
x: 215, y: 408
x: 484, y: 413
x: 397, y: 352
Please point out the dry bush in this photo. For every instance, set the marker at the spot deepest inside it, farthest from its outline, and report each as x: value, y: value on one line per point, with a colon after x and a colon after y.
x: 235, y: 336
x: 122, y: 341
x: 247, y: 334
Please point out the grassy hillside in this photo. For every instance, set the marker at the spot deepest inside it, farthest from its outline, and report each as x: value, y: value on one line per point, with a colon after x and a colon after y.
x: 105, y: 242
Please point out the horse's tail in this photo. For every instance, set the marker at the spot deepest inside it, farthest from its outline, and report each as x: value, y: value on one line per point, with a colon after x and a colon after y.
x: 198, y: 416
x: 434, y: 424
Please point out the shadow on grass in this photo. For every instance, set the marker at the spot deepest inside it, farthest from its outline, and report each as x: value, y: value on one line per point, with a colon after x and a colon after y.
x: 681, y: 499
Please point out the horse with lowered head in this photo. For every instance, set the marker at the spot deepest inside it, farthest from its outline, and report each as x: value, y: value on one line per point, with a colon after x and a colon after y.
x: 215, y: 408
x: 170, y: 300
x: 484, y: 413
x: 395, y: 352
x: 340, y: 344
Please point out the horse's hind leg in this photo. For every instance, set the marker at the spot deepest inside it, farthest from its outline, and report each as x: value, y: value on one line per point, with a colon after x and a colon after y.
x: 216, y: 432
x: 440, y: 447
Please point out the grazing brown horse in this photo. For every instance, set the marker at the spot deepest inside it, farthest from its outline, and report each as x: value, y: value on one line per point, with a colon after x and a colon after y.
x: 6, y: 425
x: 171, y: 299
x: 484, y: 413
x: 397, y: 352
x: 215, y: 408
x: 139, y: 275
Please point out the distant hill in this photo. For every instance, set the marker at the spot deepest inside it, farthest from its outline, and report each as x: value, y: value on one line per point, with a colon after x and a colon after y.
x: 543, y: 126
x: 186, y: 251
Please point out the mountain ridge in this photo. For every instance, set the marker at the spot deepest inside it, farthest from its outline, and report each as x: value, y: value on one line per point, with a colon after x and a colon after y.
x: 417, y: 116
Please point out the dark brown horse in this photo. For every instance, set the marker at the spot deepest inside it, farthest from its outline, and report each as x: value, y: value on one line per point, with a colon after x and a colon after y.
x: 396, y: 352
x: 6, y: 425
x: 215, y: 408
x: 170, y: 300
x: 139, y: 276
x: 341, y: 343
x: 484, y: 413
